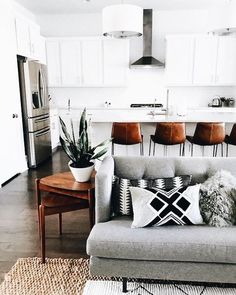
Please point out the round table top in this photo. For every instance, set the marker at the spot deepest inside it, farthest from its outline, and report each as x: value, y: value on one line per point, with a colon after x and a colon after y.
x: 66, y: 181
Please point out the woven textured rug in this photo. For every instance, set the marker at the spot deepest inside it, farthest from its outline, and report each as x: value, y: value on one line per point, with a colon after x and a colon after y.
x: 56, y: 277
x: 134, y: 288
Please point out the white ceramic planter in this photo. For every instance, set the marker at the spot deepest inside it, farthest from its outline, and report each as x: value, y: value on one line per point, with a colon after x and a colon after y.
x: 81, y: 174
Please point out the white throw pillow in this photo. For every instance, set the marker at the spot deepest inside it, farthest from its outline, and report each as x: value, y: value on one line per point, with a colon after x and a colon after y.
x: 156, y: 207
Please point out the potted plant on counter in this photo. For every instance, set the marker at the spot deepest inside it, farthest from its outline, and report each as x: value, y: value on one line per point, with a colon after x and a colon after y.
x: 79, y: 150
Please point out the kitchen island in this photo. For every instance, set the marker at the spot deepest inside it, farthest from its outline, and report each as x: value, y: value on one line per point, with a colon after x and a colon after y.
x: 101, y: 120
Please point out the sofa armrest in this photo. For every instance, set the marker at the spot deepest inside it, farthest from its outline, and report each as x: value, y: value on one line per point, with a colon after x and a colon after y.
x: 103, y: 190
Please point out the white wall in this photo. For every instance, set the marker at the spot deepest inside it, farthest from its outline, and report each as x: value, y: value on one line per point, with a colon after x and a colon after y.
x: 19, y: 9
x: 143, y: 85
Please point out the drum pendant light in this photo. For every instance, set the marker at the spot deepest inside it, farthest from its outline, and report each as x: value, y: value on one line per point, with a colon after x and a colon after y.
x: 122, y: 21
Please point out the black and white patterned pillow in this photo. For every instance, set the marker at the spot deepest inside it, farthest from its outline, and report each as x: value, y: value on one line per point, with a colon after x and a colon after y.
x: 121, y: 197
x: 156, y: 207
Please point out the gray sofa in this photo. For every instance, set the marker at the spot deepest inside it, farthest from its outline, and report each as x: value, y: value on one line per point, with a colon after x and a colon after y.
x: 186, y: 253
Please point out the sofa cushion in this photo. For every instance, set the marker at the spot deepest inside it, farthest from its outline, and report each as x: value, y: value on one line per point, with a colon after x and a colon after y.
x: 116, y: 239
x: 217, y: 201
x: 121, y: 198
x: 157, y: 207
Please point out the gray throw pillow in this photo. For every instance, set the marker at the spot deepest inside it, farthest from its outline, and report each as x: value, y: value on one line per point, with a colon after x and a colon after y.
x: 217, y: 199
x: 121, y: 197
x: 156, y: 207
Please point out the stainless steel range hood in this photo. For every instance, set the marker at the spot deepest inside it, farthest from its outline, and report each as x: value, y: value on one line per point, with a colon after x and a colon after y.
x: 147, y: 60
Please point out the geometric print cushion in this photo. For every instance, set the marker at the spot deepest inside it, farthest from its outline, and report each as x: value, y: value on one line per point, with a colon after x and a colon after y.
x: 156, y: 207
x: 121, y: 197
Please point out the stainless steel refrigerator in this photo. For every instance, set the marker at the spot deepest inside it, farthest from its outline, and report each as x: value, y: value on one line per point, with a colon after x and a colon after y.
x: 35, y: 111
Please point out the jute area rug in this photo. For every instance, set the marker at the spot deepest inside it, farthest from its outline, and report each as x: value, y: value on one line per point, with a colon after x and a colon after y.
x: 69, y: 276
x: 56, y: 277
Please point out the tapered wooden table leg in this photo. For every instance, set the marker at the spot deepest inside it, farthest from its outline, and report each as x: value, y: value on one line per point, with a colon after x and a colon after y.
x: 42, y: 230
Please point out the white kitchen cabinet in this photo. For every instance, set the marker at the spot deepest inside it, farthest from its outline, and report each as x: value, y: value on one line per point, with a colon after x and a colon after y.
x: 205, y: 57
x: 34, y: 33
x: 116, y: 62
x: 87, y: 62
x: 28, y: 38
x: 42, y: 50
x: 200, y: 60
x: 92, y: 62
x: 53, y: 63
x: 226, y: 61
x: 70, y: 59
x: 22, y: 37
x: 179, y: 60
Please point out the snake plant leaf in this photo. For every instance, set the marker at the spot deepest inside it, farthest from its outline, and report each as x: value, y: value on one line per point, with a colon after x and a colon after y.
x: 64, y: 130
x: 66, y: 149
x: 104, y: 143
x: 82, y: 124
x: 100, y: 153
x: 72, y: 131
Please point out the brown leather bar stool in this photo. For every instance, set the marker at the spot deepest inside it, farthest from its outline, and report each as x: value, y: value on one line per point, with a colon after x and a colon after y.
x: 169, y: 133
x: 208, y: 134
x: 126, y: 134
x: 230, y: 139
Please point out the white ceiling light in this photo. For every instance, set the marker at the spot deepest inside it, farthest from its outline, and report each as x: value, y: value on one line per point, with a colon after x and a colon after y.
x: 222, y: 19
x: 122, y: 21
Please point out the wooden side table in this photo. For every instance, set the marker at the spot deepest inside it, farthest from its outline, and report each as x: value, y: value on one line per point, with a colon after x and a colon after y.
x: 65, y: 184
x: 63, y: 194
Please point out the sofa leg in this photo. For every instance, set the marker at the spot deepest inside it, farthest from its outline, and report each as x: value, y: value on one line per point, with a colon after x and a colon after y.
x: 124, y: 285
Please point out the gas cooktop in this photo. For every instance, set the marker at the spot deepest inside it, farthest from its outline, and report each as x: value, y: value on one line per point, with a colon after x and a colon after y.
x: 146, y: 105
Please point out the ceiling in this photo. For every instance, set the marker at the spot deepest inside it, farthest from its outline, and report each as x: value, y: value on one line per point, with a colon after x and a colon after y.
x: 91, y: 6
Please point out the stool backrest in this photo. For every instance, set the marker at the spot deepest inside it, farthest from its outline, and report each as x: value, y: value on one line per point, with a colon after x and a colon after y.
x: 126, y: 133
x: 170, y: 132
x: 209, y: 133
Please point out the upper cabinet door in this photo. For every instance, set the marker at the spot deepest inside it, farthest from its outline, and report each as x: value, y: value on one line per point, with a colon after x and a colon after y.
x: 92, y: 62
x: 226, y: 61
x: 179, y: 60
x: 53, y: 62
x: 205, y: 60
x: 116, y: 62
x: 22, y: 37
x: 34, y: 32
x: 71, y: 63
x: 42, y: 50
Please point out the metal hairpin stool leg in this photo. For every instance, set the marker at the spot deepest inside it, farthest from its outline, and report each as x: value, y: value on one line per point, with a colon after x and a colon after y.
x: 222, y: 150
x: 182, y: 149
x: 112, y: 148
x: 227, y: 149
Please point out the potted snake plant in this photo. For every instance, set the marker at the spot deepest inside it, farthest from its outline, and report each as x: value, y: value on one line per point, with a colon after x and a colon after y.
x: 79, y: 150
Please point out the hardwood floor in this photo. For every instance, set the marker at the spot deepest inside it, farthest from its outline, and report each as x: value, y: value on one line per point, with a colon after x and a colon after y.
x: 19, y: 223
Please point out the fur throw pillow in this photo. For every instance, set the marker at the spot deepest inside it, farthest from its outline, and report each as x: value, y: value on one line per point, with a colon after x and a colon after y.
x: 218, y: 199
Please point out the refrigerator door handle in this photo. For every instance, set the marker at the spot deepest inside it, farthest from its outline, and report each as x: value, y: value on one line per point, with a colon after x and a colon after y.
x: 44, y: 92
x: 41, y: 133
x: 40, y: 88
x: 42, y: 120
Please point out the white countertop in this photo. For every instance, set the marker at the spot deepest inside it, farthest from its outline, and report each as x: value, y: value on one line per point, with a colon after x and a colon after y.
x: 109, y: 115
